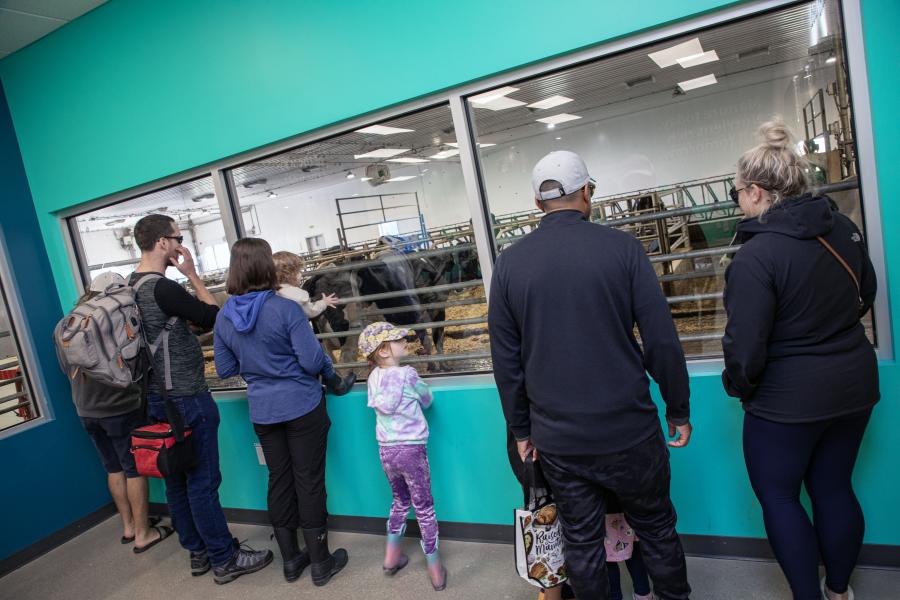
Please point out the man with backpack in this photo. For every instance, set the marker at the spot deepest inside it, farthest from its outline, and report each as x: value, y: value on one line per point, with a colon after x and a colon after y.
x: 177, y: 365
x: 108, y: 415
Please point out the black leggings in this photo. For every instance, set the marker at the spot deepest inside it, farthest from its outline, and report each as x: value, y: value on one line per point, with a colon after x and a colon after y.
x: 782, y: 456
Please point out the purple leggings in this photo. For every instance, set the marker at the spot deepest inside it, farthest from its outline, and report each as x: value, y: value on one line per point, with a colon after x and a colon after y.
x: 407, y: 470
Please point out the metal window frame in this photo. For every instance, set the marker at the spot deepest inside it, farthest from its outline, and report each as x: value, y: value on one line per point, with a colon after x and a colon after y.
x: 32, y: 369
x: 471, y: 165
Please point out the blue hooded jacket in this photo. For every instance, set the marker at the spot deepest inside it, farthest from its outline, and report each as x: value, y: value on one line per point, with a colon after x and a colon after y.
x: 269, y: 342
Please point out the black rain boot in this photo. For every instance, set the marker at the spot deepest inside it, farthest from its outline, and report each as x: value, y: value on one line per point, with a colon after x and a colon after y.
x: 324, y: 564
x: 295, y: 559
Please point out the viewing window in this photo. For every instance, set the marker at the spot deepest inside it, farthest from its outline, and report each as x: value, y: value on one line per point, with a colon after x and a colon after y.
x: 17, y: 403
x: 106, y: 242
x: 661, y: 128
x: 379, y: 217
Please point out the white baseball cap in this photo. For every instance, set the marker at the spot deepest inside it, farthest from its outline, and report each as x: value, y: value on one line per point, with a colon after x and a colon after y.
x: 102, y: 281
x: 564, y: 167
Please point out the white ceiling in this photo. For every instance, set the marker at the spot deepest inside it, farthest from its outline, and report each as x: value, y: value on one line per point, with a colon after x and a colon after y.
x: 26, y: 21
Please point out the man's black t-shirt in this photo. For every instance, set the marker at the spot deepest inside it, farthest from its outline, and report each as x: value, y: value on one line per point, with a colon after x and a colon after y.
x: 185, y: 355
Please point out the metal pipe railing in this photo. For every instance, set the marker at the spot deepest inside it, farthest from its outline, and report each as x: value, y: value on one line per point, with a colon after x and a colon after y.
x: 701, y: 337
x: 695, y: 254
x: 432, y: 358
x: 402, y: 309
x: 366, y: 263
x: 414, y: 326
x: 694, y: 297
x: 10, y: 409
x: 671, y: 213
x: 691, y: 275
x: 444, y: 287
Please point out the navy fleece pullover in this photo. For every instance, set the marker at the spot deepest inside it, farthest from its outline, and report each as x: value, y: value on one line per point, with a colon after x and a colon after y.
x: 571, y: 375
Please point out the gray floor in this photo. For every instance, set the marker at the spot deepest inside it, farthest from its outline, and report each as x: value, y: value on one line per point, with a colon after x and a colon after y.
x: 95, y: 566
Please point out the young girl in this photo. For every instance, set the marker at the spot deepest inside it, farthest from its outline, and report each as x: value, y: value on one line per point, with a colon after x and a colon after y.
x: 398, y: 397
x: 621, y: 546
x: 289, y: 266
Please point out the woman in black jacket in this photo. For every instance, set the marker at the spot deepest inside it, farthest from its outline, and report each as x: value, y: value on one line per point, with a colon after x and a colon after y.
x: 797, y: 356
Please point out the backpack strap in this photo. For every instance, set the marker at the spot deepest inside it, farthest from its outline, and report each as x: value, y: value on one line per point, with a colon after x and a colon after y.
x: 846, y: 266
x: 175, y: 419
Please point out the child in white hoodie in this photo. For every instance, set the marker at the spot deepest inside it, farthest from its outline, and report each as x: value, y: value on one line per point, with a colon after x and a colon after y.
x: 289, y: 266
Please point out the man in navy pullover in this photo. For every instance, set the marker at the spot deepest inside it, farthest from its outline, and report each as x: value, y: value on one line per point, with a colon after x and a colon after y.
x: 573, y: 379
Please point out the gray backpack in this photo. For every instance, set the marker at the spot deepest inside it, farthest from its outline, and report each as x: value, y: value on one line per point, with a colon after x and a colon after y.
x: 103, y: 338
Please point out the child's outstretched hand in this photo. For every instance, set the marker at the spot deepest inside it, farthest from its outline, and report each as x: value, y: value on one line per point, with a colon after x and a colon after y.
x: 330, y: 300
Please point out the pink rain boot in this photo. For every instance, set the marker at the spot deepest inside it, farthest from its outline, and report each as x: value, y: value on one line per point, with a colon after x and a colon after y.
x: 436, y: 571
x: 394, y: 559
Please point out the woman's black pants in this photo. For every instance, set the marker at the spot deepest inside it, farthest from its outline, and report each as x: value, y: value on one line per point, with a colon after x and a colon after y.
x: 295, y: 455
x: 780, y: 458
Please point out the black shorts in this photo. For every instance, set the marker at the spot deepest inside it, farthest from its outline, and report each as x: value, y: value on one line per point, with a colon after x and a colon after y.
x: 112, y: 438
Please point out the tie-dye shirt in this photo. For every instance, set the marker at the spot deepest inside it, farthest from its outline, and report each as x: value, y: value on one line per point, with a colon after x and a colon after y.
x: 398, y: 396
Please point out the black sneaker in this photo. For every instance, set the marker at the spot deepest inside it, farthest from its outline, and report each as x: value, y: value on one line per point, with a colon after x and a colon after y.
x: 244, y: 560
x: 200, y: 563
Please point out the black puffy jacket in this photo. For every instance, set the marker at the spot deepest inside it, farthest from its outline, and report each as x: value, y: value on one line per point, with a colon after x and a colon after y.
x: 795, y: 350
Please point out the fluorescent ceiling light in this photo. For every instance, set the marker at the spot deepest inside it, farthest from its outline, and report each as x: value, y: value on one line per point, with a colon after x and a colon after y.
x: 493, y: 95
x: 691, y: 84
x: 382, y: 153
x: 383, y: 130
x: 557, y: 119
x: 365, y: 179
x: 550, y: 102
x: 698, y: 59
x: 480, y: 145
x: 500, y: 104
x: 407, y: 159
x: 402, y: 178
x: 669, y: 57
x: 445, y: 154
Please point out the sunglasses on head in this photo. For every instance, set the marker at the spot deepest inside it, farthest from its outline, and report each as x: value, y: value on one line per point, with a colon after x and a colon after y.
x: 177, y: 238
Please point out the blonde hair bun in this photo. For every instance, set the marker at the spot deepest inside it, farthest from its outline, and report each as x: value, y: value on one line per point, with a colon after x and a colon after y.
x: 775, y: 134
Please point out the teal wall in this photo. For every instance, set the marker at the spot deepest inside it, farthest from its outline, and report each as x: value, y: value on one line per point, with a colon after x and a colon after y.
x: 138, y: 90
x: 471, y: 477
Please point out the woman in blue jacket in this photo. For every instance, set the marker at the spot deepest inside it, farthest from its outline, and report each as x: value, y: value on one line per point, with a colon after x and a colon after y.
x: 797, y: 356
x: 268, y: 340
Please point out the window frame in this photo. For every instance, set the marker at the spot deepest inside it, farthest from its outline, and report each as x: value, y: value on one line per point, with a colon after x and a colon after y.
x: 472, y: 169
x: 32, y: 369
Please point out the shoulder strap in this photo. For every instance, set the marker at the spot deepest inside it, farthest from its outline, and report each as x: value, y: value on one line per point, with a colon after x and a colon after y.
x: 172, y: 414
x: 844, y: 264
x: 144, y: 279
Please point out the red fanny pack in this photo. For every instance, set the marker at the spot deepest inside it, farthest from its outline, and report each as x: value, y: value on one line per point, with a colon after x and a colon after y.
x: 158, y: 454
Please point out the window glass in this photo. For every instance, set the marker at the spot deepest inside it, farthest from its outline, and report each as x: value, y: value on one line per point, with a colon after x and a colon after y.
x: 380, y: 218
x: 106, y: 241
x: 661, y: 129
x: 17, y: 404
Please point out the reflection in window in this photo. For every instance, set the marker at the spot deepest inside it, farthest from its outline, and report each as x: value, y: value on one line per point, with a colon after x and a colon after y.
x: 661, y: 129
x: 106, y: 240
x: 17, y: 404
x: 380, y: 217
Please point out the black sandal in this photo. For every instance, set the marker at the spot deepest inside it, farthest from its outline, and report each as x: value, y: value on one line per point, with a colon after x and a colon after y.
x: 164, y: 532
x: 153, y: 521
